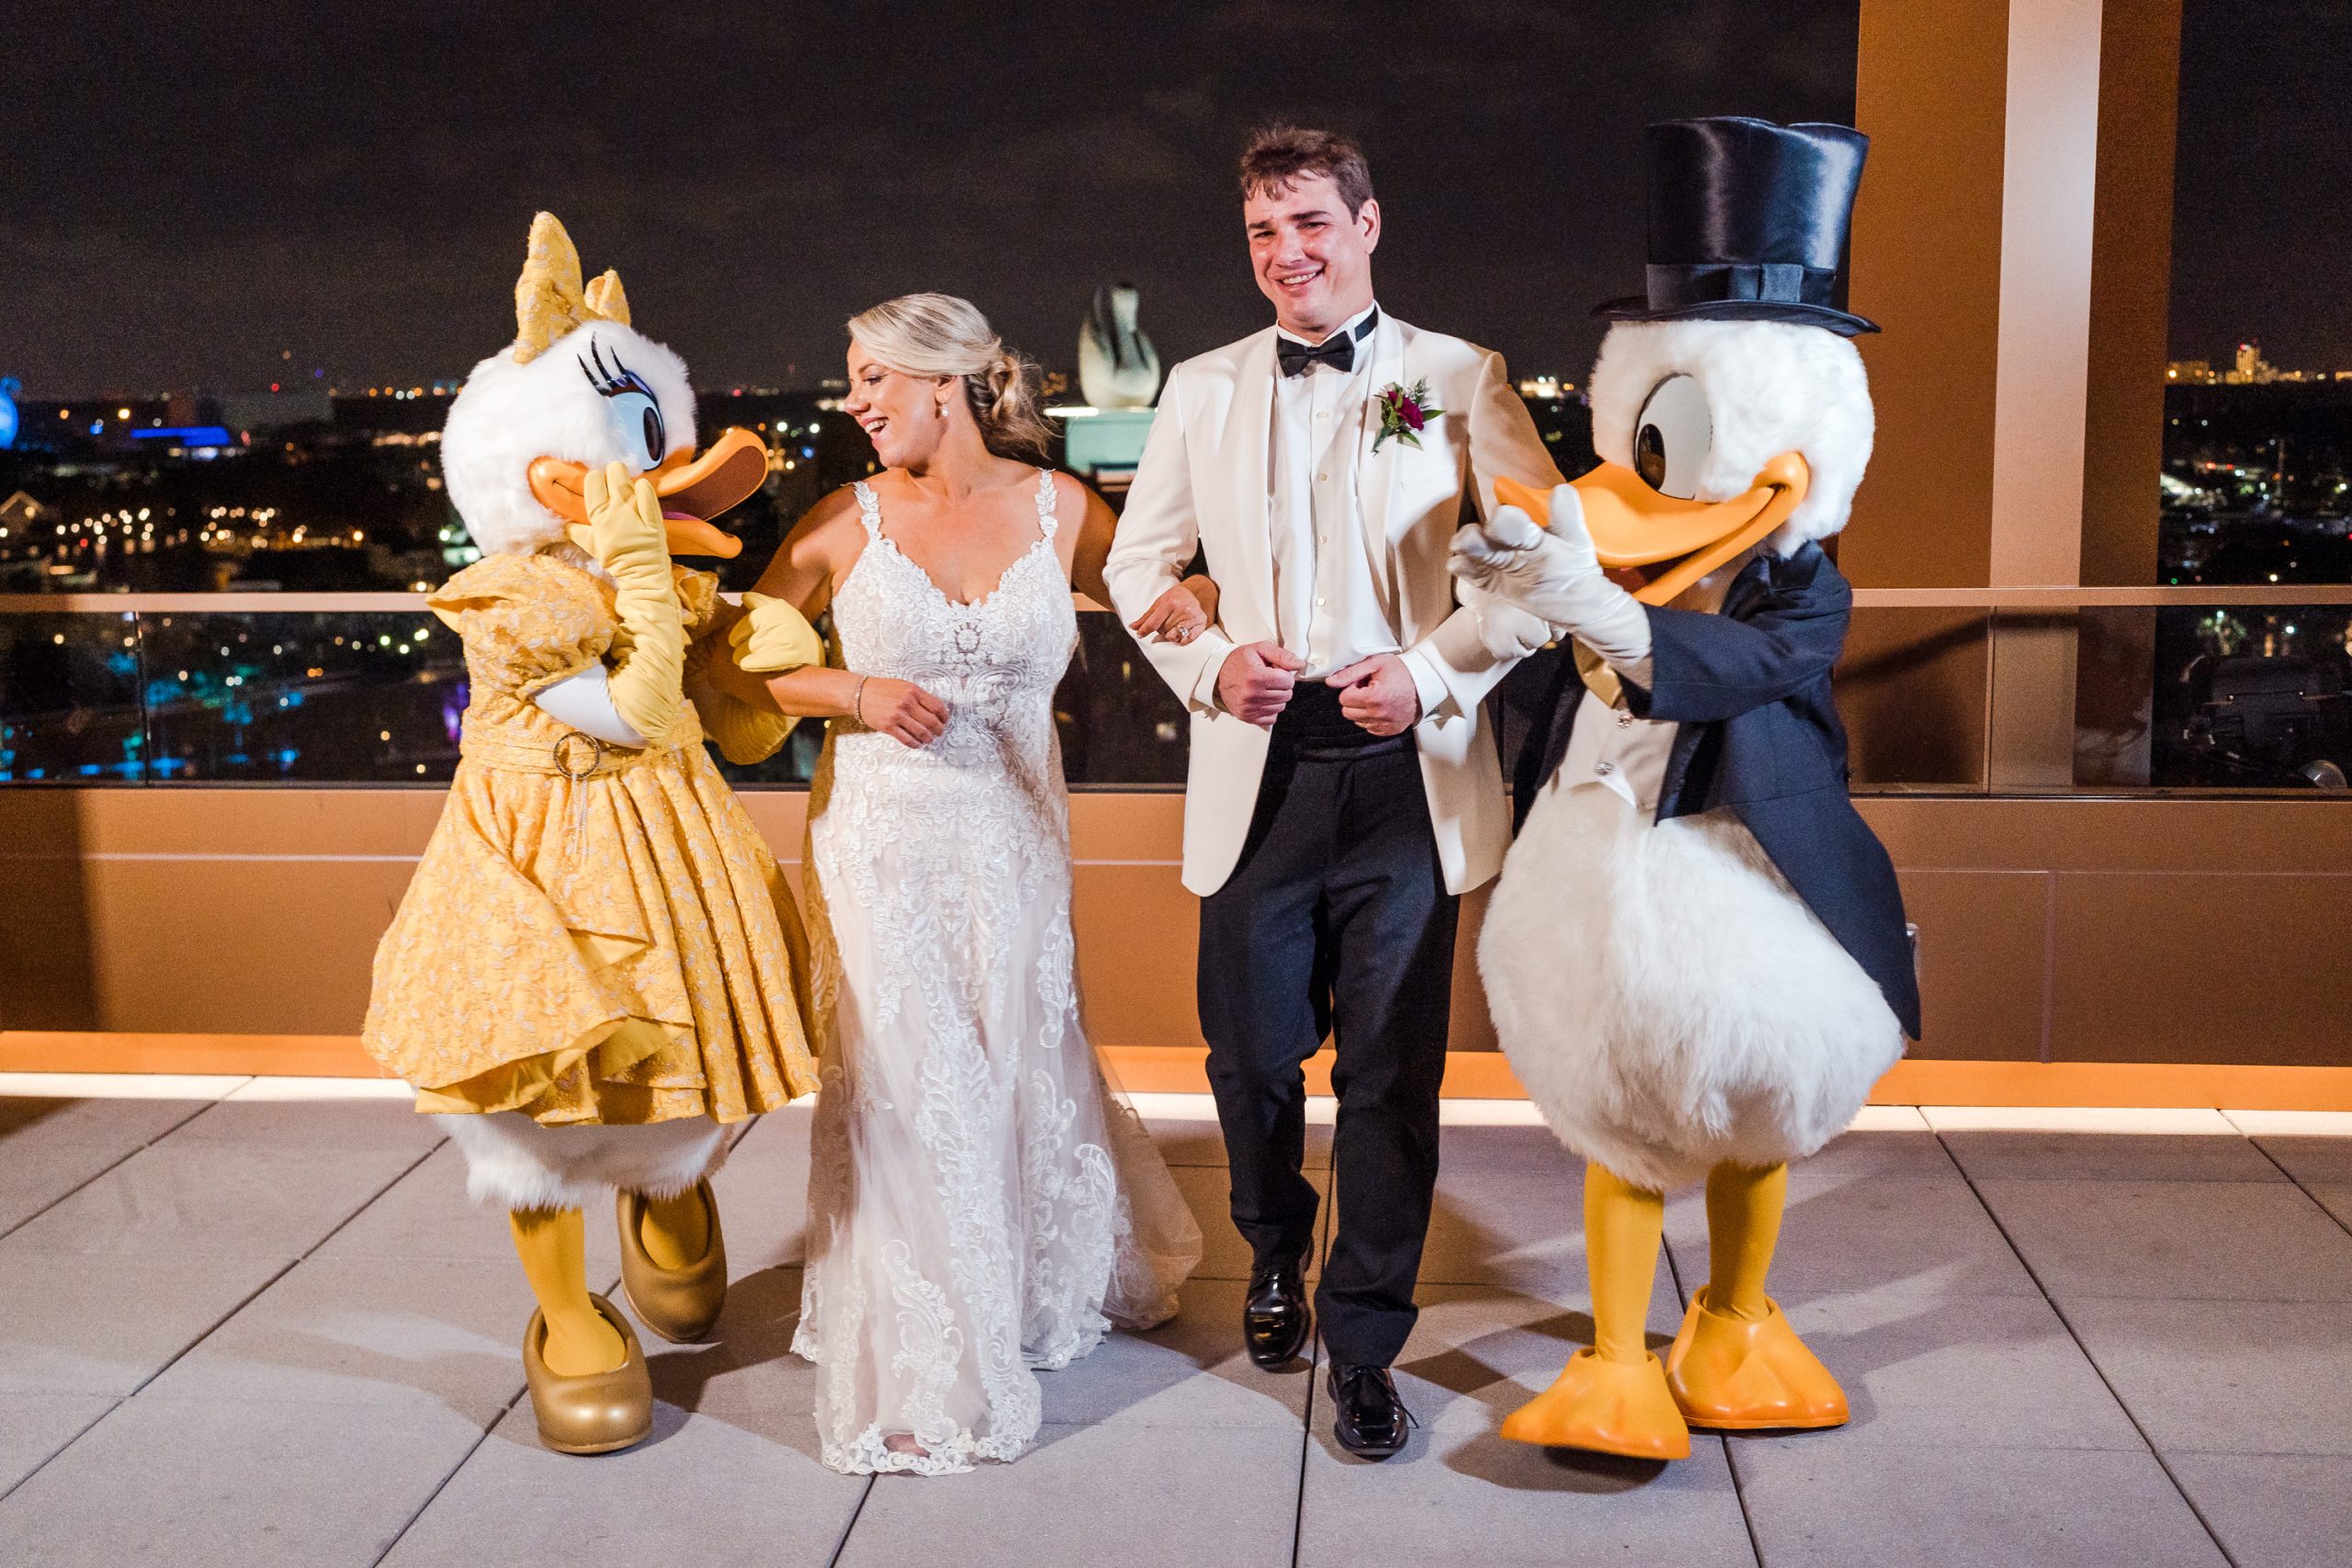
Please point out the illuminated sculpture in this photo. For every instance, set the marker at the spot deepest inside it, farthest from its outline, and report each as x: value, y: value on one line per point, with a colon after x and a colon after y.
x: 1118, y: 367
x: 596, y: 965
x: 9, y: 388
x: 1696, y: 953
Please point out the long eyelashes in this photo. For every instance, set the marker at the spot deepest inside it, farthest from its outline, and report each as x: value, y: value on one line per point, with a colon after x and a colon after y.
x: 614, y: 379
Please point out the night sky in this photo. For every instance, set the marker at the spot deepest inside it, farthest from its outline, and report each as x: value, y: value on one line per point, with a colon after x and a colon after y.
x: 186, y: 196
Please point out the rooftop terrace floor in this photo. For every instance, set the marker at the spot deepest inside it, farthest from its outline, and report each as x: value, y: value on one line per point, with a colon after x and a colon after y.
x: 254, y: 1321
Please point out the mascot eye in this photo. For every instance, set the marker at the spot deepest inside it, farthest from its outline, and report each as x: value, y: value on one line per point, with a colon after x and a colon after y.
x: 1672, y: 438
x: 630, y: 405
x: 637, y: 421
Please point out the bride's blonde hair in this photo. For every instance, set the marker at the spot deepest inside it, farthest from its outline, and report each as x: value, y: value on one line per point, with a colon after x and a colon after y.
x: 938, y: 334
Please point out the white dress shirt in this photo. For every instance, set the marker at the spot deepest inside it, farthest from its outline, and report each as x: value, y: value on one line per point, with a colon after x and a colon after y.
x: 1611, y: 749
x: 1328, y: 602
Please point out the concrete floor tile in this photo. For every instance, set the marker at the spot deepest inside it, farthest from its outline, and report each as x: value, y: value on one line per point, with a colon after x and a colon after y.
x: 49, y: 1145
x: 1933, y: 1371
x: 337, y: 1126
x: 1877, y: 1151
x: 1829, y: 1499
x: 746, y: 1374
x: 1224, y: 1255
x: 699, y: 1490
x: 2335, y: 1196
x: 1464, y: 1495
x: 403, y: 1333
x: 1189, y: 1372
x: 427, y: 1214
x: 2226, y: 1377
x: 35, y: 1427
x: 1088, y: 1496
x: 763, y: 1192
x: 2237, y: 1240
x: 1185, y: 1128
x: 1856, y: 1232
x: 1479, y: 1352
x: 2273, y: 1511
x: 250, y: 1196
x: 105, y: 1325
x: 1997, y: 1155
x: 2312, y: 1160
x: 241, y: 1485
x: 1522, y: 1230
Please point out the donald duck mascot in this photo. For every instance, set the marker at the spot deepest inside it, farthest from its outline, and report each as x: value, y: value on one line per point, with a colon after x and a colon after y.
x: 1696, y: 955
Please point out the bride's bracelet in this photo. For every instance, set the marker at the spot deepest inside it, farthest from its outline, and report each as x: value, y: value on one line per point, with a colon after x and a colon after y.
x: 857, y: 704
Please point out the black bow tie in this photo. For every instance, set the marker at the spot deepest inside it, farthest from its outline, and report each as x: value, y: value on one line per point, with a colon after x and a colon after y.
x: 1338, y: 351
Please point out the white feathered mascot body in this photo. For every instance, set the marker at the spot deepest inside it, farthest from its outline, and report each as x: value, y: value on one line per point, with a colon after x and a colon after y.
x: 1696, y: 955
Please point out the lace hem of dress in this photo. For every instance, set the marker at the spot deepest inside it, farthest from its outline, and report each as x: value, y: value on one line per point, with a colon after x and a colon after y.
x: 869, y: 1453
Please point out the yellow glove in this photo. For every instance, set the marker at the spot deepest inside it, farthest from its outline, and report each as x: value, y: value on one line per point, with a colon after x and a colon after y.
x: 626, y: 537
x: 772, y: 637
x: 746, y: 732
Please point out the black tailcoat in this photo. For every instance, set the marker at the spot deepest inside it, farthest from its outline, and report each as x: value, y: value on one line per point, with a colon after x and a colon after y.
x: 1760, y: 734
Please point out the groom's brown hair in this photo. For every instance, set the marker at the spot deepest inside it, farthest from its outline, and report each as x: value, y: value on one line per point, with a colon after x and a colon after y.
x: 1276, y: 154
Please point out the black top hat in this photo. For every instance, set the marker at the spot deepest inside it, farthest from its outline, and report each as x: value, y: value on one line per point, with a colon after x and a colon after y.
x: 1747, y: 223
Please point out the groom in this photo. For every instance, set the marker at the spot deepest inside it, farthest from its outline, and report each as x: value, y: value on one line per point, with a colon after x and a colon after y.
x: 1343, y: 791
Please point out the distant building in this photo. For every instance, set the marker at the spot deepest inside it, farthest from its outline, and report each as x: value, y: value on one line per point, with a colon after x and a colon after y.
x: 2251, y: 369
x: 2189, y: 372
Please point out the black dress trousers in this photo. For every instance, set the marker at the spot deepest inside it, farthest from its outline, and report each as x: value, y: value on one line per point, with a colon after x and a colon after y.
x: 1335, y: 920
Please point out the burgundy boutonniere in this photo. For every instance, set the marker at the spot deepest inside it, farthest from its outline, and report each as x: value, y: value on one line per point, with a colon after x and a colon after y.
x: 1403, y: 413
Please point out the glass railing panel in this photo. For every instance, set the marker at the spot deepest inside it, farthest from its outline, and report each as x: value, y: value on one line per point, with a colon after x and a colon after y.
x: 70, y: 700
x: 1913, y: 688
x: 363, y: 697
x: 2214, y: 697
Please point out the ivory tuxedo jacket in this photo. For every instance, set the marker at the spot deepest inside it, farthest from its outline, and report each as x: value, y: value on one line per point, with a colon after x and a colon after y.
x: 1204, y: 484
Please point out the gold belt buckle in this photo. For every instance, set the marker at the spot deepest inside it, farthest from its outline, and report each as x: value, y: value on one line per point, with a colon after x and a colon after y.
x: 595, y: 756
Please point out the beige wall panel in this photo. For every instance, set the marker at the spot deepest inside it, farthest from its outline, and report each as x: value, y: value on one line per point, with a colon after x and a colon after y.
x: 2306, y: 834
x: 264, y: 947
x: 1138, y: 942
x: 2202, y: 968
x: 1127, y: 827
x: 1982, y: 951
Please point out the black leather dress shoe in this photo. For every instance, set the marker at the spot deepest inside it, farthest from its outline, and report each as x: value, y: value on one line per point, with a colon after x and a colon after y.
x: 1367, y: 1414
x: 1274, y: 1318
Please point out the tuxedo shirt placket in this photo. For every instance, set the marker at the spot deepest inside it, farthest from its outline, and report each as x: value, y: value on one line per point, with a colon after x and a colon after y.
x: 1327, y: 605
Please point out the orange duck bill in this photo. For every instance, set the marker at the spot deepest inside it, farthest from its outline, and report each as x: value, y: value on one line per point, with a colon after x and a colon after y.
x: 1658, y: 546
x: 693, y: 489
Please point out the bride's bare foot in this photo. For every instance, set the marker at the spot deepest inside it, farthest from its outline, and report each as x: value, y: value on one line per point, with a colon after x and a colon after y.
x: 906, y: 1443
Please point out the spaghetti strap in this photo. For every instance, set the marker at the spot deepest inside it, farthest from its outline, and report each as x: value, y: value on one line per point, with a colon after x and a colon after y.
x: 1046, y: 500
x: 869, y: 509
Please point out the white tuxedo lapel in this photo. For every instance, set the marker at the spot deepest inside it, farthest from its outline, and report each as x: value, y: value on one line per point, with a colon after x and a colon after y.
x: 1249, y: 436
x: 1376, y: 469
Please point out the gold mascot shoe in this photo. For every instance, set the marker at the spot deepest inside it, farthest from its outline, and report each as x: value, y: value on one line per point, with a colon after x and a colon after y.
x: 1610, y: 1408
x: 1737, y: 1376
x: 678, y: 1304
x: 595, y: 1413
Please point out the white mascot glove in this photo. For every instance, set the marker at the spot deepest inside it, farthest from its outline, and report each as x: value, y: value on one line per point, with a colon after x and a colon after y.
x: 1555, y: 574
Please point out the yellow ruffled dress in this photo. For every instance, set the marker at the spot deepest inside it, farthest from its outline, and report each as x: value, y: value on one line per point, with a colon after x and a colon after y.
x: 594, y: 934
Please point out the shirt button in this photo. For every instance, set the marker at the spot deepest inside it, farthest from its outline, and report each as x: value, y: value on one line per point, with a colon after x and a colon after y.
x: 1604, y: 769
x: 1321, y: 478
x: 1321, y: 602
x: 1624, y: 719
x: 1323, y: 414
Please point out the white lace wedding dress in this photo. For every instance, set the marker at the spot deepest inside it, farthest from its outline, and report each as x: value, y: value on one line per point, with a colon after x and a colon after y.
x: 979, y: 1205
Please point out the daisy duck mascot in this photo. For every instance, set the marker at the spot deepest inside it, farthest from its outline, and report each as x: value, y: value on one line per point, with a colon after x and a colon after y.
x: 597, y: 967
x: 1696, y: 955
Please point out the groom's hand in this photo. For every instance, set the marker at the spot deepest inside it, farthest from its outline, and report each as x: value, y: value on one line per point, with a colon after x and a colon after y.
x: 1378, y: 694
x: 1255, y: 682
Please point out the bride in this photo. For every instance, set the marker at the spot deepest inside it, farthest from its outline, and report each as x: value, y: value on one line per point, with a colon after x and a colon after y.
x: 980, y: 1206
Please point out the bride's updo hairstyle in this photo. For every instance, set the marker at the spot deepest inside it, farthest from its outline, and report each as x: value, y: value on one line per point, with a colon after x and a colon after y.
x: 938, y: 334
